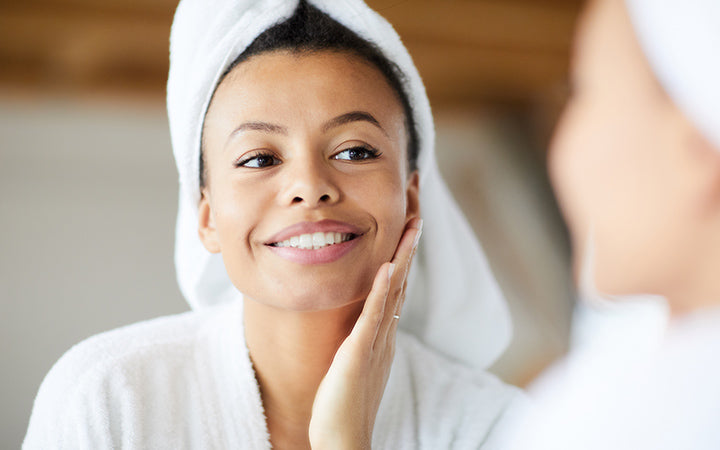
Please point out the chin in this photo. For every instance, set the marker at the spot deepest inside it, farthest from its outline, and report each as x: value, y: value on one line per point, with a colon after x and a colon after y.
x: 618, y: 276
x: 314, y: 295
x: 322, y: 297
x: 317, y: 306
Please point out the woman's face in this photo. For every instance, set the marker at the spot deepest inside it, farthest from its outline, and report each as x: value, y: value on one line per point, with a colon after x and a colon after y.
x: 620, y: 162
x: 305, y: 150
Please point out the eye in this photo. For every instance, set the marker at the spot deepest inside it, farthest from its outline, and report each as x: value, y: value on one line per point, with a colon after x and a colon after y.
x: 258, y: 161
x: 357, y: 154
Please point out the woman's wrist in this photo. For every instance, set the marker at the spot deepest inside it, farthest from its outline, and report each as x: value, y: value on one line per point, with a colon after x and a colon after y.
x: 340, y: 444
x: 346, y: 440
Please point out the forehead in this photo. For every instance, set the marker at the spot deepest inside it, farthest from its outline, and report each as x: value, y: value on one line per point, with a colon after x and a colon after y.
x: 304, y: 85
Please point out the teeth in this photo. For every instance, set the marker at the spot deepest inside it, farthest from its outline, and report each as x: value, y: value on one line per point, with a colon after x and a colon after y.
x: 306, y: 241
x: 318, y: 240
x: 315, y: 240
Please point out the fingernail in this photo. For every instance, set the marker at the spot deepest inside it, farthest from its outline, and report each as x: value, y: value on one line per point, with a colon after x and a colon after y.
x: 391, y: 269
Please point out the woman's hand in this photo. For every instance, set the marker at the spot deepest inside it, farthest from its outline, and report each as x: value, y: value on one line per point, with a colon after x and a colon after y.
x: 347, y: 401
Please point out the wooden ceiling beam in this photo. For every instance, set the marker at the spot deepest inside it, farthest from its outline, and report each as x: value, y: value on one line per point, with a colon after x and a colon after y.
x: 158, y: 9
x: 74, y: 48
x: 536, y: 26
x: 468, y: 52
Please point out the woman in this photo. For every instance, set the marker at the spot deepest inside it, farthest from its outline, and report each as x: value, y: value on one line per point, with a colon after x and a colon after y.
x: 635, y: 163
x: 303, y: 138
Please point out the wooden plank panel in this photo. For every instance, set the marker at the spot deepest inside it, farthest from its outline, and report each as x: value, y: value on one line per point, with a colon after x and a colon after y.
x: 468, y: 52
x: 497, y: 24
x: 76, y: 48
x: 470, y: 76
x: 146, y: 8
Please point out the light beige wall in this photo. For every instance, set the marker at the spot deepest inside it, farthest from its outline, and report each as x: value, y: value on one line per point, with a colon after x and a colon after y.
x: 498, y: 177
x: 88, y: 208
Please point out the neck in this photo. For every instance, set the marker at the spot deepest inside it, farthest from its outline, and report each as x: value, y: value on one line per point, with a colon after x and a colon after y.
x: 698, y: 287
x: 291, y: 352
x: 696, y: 296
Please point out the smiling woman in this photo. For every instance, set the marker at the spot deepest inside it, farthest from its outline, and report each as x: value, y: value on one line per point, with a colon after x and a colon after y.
x: 304, y: 143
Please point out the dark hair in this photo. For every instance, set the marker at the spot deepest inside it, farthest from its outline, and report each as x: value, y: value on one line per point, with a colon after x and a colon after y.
x: 311, y: 30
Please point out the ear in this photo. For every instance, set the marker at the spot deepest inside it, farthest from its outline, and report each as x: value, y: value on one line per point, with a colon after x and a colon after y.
x: 412, y: 193
x: 206, y: 224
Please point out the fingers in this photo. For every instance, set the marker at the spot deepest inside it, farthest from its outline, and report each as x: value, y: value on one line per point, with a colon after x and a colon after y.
x: 367, y: 326
x: 398, y: 283
x: 398, y: 309
x: 408, y: 241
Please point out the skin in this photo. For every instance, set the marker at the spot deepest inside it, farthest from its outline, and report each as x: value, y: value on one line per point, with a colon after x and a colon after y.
x: 633, y: 174
x: 330, y: 325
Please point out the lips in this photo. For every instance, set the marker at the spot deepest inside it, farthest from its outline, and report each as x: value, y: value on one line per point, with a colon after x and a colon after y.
x: 315, y: 242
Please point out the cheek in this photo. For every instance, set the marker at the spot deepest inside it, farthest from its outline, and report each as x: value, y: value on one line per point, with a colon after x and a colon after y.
x: 587, y: 165
x: 570, y: 168
x: 236, y: 214
x: 613, y: 182
x: 383, y: 197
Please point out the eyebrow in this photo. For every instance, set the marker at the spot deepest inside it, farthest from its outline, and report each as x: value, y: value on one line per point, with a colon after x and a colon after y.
x: 260, y: 126
x: 353, y: 116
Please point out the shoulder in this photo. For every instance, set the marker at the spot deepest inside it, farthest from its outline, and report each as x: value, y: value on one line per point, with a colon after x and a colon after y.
x: 126, y: 348
x: 105, y: 376
x: 454, y: 406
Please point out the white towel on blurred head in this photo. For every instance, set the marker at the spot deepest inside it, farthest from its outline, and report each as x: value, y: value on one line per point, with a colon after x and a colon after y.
x: 681, y: 40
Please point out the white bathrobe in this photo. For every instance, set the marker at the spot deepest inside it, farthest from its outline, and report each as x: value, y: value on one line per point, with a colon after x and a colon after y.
x: 186, y: 381
x: 652, y: 388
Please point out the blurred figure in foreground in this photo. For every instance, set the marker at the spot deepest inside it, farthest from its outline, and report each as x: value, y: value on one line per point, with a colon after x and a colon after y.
x: 635, y: 163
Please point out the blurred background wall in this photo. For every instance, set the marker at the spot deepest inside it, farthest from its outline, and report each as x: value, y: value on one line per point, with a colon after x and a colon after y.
x: 89, y: 186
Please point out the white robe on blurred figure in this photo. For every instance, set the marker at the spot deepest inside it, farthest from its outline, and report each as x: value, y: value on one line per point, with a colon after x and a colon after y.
x: 637, y: 381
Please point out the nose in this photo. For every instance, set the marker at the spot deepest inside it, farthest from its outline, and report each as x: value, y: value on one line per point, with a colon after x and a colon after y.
x: 309, y: 183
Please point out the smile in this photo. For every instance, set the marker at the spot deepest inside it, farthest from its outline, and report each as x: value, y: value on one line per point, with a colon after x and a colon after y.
x: 315, y: 241
x: 319, y: 242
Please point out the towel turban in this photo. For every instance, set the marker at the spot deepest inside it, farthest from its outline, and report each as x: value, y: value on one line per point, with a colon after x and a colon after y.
x: 681, y: 40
